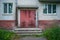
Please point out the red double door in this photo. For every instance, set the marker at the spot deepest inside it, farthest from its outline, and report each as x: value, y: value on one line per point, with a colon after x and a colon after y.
x: 28, y: 18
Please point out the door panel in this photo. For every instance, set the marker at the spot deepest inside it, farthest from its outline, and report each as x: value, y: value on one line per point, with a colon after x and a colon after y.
x: 27, y: 18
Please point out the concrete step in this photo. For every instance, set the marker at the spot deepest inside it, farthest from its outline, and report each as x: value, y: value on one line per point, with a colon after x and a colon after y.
x: 28, y: 31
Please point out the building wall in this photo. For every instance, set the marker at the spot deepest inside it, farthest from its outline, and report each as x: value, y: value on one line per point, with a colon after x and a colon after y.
x: 7, y: 16
x: 27, y: 2
x: 45, y: 21
x: 7, y: 20
x: 42, y: 18
x: 40, y: 6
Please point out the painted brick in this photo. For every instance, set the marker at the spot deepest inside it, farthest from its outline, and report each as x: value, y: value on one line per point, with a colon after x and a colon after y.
x: 47, y: 23
x: 8, y: 24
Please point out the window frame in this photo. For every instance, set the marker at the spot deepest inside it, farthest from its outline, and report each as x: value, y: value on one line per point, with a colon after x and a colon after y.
x: 47, y: 9
x: 8, y: 8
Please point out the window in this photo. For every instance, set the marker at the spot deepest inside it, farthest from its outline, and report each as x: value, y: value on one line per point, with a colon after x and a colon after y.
x: 49, y: 9
x: 8, y: 7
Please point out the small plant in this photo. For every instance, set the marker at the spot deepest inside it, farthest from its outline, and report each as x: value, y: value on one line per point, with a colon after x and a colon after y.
x: 52, y: 33
x: 6, y: 35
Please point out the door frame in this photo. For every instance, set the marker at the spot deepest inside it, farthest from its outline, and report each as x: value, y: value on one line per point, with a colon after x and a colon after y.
x: 18, y: 17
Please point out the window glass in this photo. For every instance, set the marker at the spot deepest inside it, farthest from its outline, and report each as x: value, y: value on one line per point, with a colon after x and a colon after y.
x: 54, y: 8
x: 45, y: 9
x: 10, y: 7
x: 49, y: 8
x: 5, y: 7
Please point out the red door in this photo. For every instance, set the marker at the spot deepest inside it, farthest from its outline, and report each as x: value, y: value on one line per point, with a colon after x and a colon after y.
x: 28, y: 18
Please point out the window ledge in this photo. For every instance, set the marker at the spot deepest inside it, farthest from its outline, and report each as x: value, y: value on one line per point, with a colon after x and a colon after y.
x: 50, y: 14
x: 7, y: 14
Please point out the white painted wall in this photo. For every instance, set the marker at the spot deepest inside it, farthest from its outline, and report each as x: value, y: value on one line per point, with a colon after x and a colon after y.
x: 28, y: 3
x: 7, y: 16
x: 47, y: 16
x: 40, y: 6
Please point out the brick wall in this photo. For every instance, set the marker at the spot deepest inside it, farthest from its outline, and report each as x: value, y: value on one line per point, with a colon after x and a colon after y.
x: 8, y: 24
x: 47, y: 23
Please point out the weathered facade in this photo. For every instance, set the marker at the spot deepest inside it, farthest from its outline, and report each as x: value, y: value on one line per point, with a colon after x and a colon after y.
x: 29, y: 13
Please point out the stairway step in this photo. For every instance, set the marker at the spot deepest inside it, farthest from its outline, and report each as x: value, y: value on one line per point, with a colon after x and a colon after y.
x: 28, y: 31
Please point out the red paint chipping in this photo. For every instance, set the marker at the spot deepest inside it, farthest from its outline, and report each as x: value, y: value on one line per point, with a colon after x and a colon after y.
x: 27, y: 18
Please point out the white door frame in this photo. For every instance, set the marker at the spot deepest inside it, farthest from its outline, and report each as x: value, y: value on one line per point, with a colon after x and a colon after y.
x: 18, y: 12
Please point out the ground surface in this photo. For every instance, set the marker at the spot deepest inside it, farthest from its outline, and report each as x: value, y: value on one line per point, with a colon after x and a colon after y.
x: 32, y: 38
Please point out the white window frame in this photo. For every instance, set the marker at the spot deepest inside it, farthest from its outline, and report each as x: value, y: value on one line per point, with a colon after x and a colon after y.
x: 47, y: 10
x: 8, y: 8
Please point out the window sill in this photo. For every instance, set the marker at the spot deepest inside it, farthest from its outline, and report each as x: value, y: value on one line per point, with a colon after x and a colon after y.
x: 50, y: 14
x: 7, y: 14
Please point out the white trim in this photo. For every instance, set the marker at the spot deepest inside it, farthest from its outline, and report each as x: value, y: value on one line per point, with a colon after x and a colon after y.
x: 19, y: 17
x: 37, y: 18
